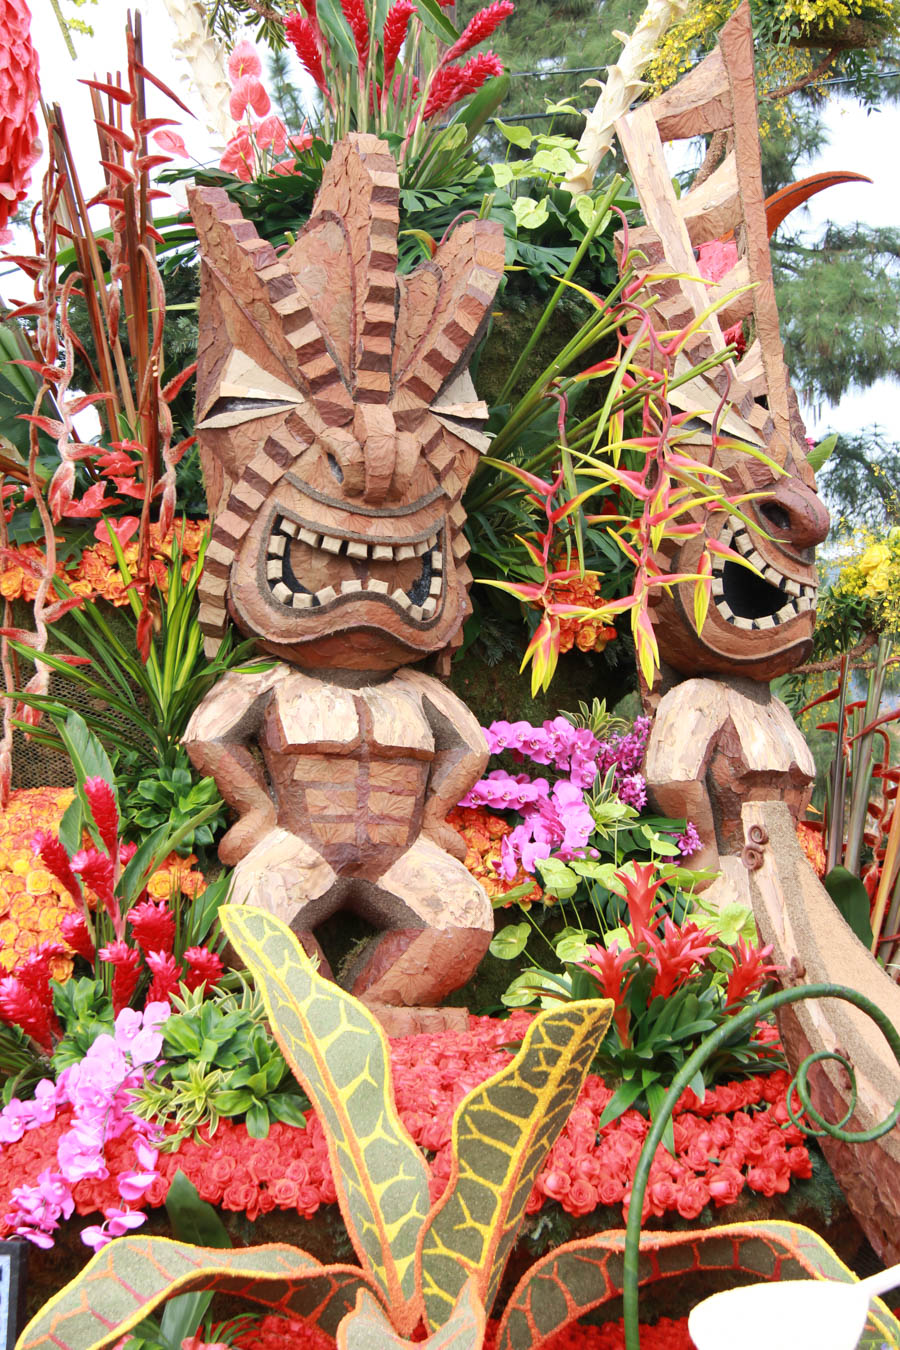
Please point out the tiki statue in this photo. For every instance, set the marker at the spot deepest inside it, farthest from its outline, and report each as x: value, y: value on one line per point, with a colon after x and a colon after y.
x: 720, y: 737
x: 338, y: 428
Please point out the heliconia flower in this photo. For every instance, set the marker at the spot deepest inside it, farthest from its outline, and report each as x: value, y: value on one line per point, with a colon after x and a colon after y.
x: 480, y: 27
x: 749, y: 971
x: 75, y: 932
x: 302, y: 36
x: 243, y: 61
x: 102, y: 801
x: 204, y: 968
x: 355, y: 14
x: 166, y: 975
x: 47, y: 847
x: 393, y: 34
x: 153, y: 926
x: 248, y: 93
x: 19, y: 88
x: 126, y: 963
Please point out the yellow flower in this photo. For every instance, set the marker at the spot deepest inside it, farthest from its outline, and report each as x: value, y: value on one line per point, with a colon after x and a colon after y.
x: 875, y: 556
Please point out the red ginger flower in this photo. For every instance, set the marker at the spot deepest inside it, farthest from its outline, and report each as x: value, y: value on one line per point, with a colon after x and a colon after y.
x: 75, y: 932
x: 394, y: 35
x: 166, y: 975
x: 25, y: 997
x: 748, y: 972
x: 303, y: 37
x: 126, y: 963
x: 477, y: 71
x: 355, y: 14
x: 47, y: 847
x: 444, y: 90
x: 102, y: 801
x: 204, y: 968
x: 19, y: 88
x: 153, y: 926
x: 480, y: 27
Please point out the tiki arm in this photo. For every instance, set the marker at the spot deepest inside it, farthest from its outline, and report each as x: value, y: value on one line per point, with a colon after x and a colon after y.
x: 218, y: 740
x: 460, y: 759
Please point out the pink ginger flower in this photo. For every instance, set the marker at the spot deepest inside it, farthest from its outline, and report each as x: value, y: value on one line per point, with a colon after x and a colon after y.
x: 75, y: 931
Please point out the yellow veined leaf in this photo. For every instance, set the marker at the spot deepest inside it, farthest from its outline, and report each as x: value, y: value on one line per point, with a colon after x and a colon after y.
x: 131, y: 1276
x: 368, y: 1328
x: 702, y: 592
x: 502, y: 1132
x: 645, y: 644
x: 339, y: 1054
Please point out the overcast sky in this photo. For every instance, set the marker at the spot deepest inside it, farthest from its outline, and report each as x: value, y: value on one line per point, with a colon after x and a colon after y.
x: 865, y: 143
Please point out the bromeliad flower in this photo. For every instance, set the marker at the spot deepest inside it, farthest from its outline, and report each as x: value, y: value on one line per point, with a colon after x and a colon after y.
x: 749, y: 972
x: 677, y: 956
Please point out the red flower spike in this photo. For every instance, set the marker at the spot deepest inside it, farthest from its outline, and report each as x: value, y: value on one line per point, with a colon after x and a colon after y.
x: 355, y: 14
x: 676, y: 956
x: 640, y: 896
x: 204, y: 967
x: 75, y: 932
x: 444, y: 90
x: 394, y: 35
x: 47, y: 847
x: 302, y: 36
x: 166, y: 975
x: 480, y: 27
x: 126, y: 963
x: 476, y: 72
x: 750, y: 970
x: 152, y: 926
x: 102, y: 801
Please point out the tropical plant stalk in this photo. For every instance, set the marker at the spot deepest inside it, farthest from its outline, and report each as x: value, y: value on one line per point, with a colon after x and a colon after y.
x: 861, y: 772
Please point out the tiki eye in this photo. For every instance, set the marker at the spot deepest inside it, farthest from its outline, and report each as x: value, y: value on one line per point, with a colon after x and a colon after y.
x: 230, y: 412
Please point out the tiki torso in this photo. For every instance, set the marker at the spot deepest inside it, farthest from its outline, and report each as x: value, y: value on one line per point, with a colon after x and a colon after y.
x: 349, y: 766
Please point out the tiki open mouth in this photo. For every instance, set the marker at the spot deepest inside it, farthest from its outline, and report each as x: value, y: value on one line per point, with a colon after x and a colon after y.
x: 749, y: 601
x: 308, y: 570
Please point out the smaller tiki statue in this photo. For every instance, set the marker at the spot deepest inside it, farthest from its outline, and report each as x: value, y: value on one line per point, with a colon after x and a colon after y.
x: 720, y: 737
x: 338, y: 427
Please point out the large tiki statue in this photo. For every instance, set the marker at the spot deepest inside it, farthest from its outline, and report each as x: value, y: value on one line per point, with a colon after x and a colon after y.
x: 338, y: 428
x: 720, y: 738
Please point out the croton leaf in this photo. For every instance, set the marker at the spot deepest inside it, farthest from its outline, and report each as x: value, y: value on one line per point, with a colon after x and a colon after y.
x: 579, y: 1276
x: 339, y: 1054
x: 368, y: 1328
x: 502, y: 1132
x: 131, y: 1276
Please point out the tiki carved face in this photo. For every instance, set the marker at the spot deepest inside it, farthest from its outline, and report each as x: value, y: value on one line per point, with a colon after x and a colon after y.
x: 758, y: 626
x: 338, y: 426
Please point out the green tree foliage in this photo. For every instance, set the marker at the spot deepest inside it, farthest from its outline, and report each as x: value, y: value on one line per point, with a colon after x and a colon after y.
x: 860, y: 482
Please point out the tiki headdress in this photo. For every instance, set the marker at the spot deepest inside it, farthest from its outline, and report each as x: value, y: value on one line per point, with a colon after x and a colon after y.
x: 337, y: 422
x: 759, y: 626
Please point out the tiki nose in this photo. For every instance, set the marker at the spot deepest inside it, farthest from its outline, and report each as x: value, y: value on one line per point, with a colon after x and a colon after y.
x: 374, y: 428
x: 795, y: 515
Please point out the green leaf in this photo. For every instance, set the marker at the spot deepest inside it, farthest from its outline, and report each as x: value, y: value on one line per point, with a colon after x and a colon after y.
x: 132, y: 1276
x: 502, y: 1132
x: 520, y: 136
x: 625, y: 1094
x: 852, y: 899
x: 510, y: 942
x: 529, y: 213
x: 71, y: 826
x: 289, y: 1109
x: 573, y: 948
x: 577, y: 1277
x: 821, y: 453
x: 557, y: 877
x: 435, y: 20
x: 339, y: 1055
